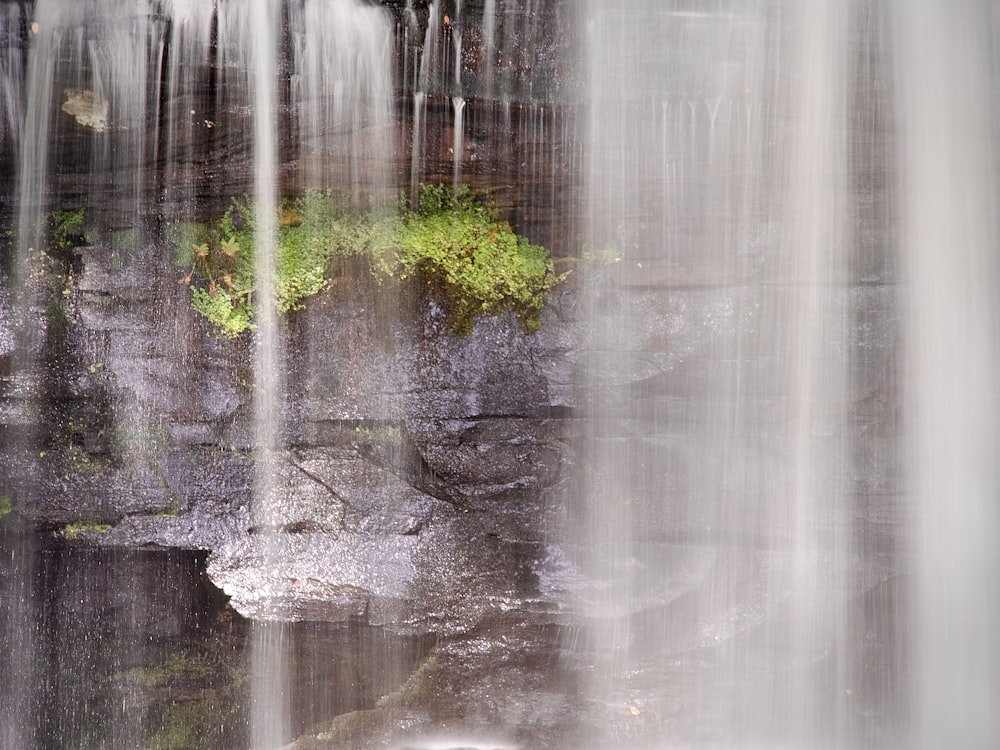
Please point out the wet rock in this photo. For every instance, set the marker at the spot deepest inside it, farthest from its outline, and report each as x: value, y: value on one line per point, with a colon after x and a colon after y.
x: 88, y: 109
x: 498, y: 687
x: 349, y: 539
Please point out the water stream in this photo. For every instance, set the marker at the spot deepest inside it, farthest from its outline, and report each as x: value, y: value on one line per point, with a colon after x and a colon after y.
x: 948, y: 94
x: 269, y: 688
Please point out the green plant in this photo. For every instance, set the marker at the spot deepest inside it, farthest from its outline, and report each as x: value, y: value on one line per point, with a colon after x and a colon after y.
x: 64, y: 229
x: 221, y: 259
x: 473, y: 263
x: 186, y: 665
x: 229, y: 313
x: 452, y: 245
x: 81, y: 461
x: 6, y: 506
x: 191, y: 691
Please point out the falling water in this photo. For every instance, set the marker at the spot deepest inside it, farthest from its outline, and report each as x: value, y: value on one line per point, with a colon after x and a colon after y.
x: 420, y: 89
x: 457, y: 99
x: 105, y: 96
x: 813, y: 332
x: 455, y: 27
x: 947, y: 53
x: 788, y: 220
x: 490, y: 48
x: 720, y: 526
x: 458, y: 103
x: 269, y: 691
x: 12, y: 20
x: 416, y: 139
x: 341, y: 95
x: 736, y: 153
x: 187, y: 116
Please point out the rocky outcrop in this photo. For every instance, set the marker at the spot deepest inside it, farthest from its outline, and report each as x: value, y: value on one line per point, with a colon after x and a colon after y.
x: 417, y: 487
x: 418, y: 464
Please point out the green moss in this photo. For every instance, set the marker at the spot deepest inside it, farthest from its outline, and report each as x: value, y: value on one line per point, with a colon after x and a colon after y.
x: 454, y: 247
x: 229, y: 313
x: 183, y: 666
x: 473, y: 263
x: 64, y: 230
x: 185, y: 235
x: 183, y: 724
x: 6, y: 507
x: 194, y: 695
x: 379, y: 434
x: 82, y: 462
x: 70, y: 457
x: 74, y: 531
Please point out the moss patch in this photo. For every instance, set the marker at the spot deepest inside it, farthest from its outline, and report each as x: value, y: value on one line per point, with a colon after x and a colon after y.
x: 81, y: 529
x: 452, y: 246
x: 472, y: 263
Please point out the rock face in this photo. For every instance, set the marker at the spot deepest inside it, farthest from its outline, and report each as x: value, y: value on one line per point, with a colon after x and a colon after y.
x: 409, y: 449
x: 405, y: 444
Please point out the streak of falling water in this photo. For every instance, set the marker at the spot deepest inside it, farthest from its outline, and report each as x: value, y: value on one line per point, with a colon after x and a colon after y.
x: 456, y: 40
x: 489, y: 48
x: 416, y: 153
x: 947, y: 52
x: 269, y: 688
x: 342, y: 93
x: 716, y: 479
x: 19, y: 638
x: 458, y: 104
x: 457, y: 100
x: 12, y: 20
x: 427, y: 61
x: 815, y: 254
x: 34, y: 153
x: 190, y: 51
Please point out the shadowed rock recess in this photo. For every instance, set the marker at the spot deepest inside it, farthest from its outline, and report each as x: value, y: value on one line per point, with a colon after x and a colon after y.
x: 431, y: 485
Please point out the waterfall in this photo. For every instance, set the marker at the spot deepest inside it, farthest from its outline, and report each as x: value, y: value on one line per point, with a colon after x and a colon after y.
x: 947, y: 55
x: 341, y: 94
x: 458, y: 104
x: 102, y: 92
x: 125, y: 103
x: 719, y: 525
x: 269, y: 692
x: 739, y: 491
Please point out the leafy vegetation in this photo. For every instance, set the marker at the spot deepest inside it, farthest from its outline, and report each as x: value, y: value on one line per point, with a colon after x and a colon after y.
x: 224, y: 267
x: 473, y: 263
x: 453, y: 246
x: 64, y: 230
